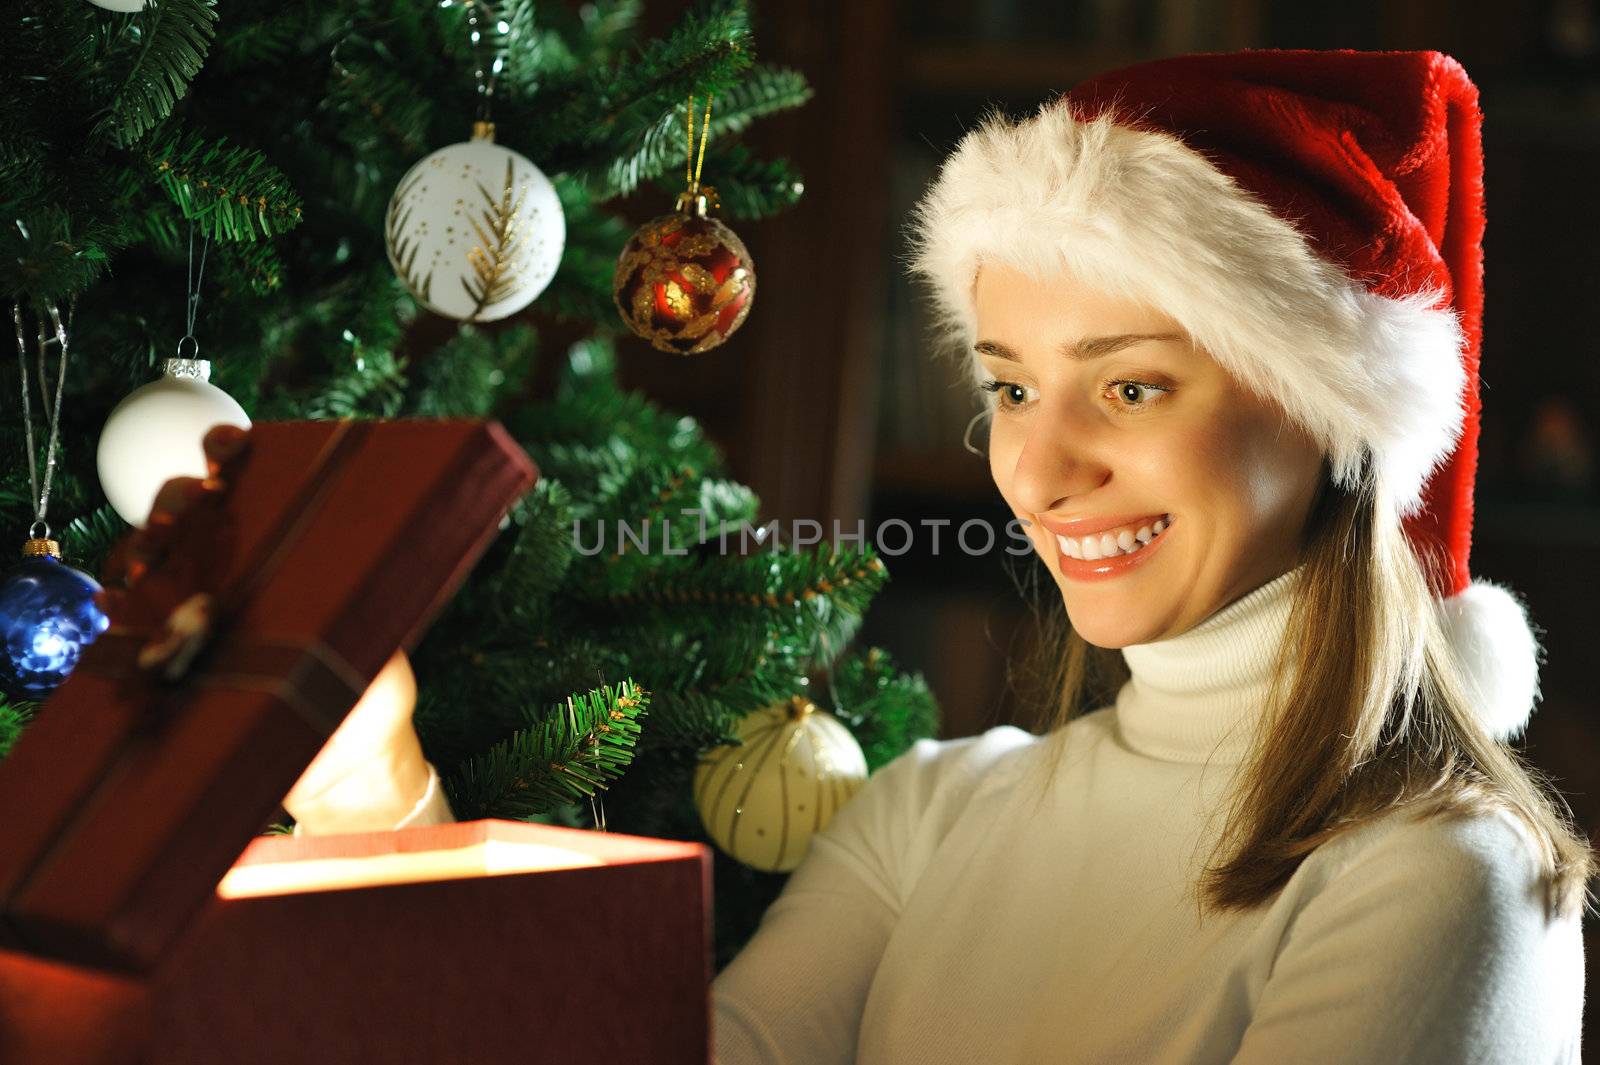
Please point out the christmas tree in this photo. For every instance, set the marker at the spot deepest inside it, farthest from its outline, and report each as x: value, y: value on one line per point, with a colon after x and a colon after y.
x: 561, y: 681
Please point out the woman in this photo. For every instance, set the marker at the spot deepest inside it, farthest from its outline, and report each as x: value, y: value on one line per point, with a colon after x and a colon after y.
x: 1295, y: 835
x: 1226, y: 312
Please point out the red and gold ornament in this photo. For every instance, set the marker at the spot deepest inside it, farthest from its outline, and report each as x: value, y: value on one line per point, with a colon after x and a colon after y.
x: 684, y: 280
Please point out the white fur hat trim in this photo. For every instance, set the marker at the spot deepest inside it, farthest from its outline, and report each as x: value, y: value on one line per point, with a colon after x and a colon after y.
x: 1143, y: 216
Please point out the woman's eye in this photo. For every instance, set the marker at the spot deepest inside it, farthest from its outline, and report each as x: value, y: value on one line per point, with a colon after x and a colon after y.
x: 1136, y: 393
x: 1131, y: 395
x: 1007, y: 392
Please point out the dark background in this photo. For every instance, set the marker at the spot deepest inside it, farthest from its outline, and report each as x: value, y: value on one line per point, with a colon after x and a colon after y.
x: 830, y: 406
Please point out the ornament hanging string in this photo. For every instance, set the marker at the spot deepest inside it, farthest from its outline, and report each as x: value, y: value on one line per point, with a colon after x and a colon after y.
x: 827, y: 663
x: 597, y: 804
x: 41, y: 495
x: 191, y: 304
x: 478, y: 10
x: 691, y: 170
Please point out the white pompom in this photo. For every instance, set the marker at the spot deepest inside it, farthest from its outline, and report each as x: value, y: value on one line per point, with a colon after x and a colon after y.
x: 1488, y: 627
x: 155, y: 433
x: 475, y: 231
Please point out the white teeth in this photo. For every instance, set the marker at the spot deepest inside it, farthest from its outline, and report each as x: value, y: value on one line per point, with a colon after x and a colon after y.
x: 1109, y: 545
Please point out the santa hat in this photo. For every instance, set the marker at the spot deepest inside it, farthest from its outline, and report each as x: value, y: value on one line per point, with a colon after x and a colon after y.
x: 1314, y: 219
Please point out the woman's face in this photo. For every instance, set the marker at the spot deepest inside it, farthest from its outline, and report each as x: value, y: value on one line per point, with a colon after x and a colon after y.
x: 1111, y: 443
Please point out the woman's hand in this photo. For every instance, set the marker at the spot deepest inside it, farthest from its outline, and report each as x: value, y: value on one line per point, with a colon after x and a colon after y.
x: 371, y: 775
x: 224, y: 445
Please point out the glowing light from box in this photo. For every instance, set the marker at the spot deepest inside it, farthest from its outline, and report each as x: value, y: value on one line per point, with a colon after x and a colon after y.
x: 327, y: 788
x: 489, y: 858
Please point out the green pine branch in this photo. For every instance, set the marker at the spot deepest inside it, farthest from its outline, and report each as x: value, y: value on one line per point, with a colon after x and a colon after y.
x: 593, y: 431
x: 172, y: 37
x: 582, y: 122
x: 661, y: 147
x: 542, y: 551
x: 53, y: 252
x: 88, y: 539
x: 232, y: 193
x: 268, y: 42
x: 807, y: 600
x: 886, y: 710
x: 563, y: 756
x: 470, y: 373
x: 483, y: 672
x: 554, y: 42
x: 536, y: 51
x: 372, y: 384
x: 581, y: 289
x: 238, y: 267
x: 748, y: 187
x: 381, y: 106
x: 256, y: 266
x: 14, y: 717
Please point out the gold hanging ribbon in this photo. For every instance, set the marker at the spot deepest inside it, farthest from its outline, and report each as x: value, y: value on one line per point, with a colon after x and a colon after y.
x: 691, y: 170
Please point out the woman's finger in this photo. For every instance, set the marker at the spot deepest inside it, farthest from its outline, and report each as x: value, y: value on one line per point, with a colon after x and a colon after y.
x: 223, y: 444
x: 132, y: 558
x: 172, y: 499
x: 135, y: 553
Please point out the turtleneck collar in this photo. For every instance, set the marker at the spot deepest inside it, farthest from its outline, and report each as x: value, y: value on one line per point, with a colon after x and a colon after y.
x: 1196, y: 697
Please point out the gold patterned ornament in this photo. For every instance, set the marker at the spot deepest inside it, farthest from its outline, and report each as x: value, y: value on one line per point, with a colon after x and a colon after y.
x: 475, y: 231
x: 761, y: 802
x: 684, y: 280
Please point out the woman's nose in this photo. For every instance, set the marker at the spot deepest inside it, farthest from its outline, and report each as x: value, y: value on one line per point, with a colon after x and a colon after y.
x: 1062, y: 457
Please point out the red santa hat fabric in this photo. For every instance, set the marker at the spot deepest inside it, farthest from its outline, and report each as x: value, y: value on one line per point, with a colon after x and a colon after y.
x: 1314, y: 219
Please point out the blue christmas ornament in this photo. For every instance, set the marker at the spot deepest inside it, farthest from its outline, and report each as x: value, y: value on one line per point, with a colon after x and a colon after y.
x: 47, y: 617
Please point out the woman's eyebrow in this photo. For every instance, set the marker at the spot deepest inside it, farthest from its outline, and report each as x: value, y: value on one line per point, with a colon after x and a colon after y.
x: 1084, y: 349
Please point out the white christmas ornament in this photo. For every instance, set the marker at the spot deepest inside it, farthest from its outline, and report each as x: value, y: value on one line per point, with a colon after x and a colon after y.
x: 125, y: 6
x: 155, y: 432
x: 763, y: 801
x: 475, y: 230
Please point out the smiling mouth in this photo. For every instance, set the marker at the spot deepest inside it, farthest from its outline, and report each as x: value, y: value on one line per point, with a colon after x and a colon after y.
x: 1114, y: 543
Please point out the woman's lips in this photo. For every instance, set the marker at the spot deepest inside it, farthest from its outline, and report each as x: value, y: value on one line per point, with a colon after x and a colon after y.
x: 1103, y: 569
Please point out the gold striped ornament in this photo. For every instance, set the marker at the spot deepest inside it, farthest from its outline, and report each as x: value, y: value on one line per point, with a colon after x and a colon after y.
x: 762, y: 801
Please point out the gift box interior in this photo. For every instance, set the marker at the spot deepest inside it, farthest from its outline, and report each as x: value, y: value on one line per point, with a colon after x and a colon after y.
x: 145, y: 919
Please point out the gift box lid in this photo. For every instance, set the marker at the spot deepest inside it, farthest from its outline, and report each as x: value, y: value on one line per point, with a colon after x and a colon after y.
x: 138, y: 784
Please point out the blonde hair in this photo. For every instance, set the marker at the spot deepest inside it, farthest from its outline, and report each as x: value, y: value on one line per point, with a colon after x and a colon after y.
x: 1404, y: 737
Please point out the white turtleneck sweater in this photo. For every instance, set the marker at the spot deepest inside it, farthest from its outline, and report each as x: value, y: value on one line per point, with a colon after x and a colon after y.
x: 941, y: 918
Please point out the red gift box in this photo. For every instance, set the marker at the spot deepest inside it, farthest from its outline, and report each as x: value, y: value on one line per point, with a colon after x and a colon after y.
x: 486, y: 942
x: 140, y: 782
